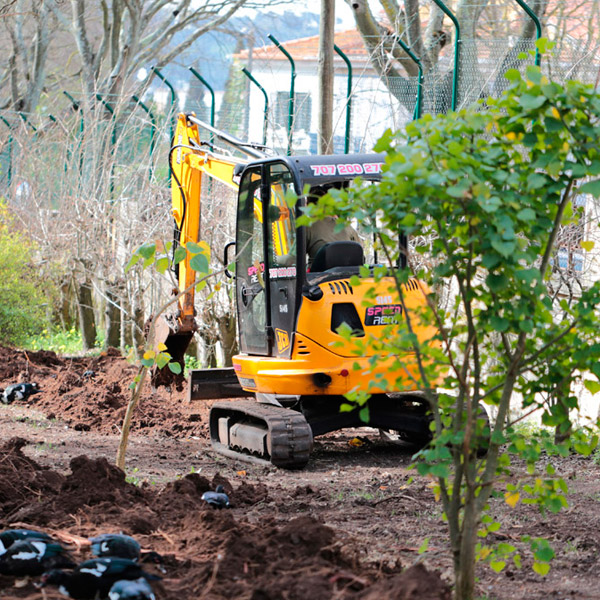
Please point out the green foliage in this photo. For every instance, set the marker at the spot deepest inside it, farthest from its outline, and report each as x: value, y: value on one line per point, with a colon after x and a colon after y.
x: 58, y: 340
x: 487, y: 191
x: 191, y: 363
x: 25, y: 294
x: 61, y: 341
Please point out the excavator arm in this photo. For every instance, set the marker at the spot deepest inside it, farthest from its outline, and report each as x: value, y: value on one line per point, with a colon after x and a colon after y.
x: 191, y: 161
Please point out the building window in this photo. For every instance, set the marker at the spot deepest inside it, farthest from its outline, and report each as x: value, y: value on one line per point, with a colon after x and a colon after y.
x: 302, y: 110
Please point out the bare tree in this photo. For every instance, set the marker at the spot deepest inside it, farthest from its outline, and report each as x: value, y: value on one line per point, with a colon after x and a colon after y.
x: 98, y: 47
x: 103, y: 44
x: 28, y: 27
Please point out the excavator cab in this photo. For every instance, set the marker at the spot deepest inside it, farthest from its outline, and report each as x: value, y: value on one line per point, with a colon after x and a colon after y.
x: 271, y: 271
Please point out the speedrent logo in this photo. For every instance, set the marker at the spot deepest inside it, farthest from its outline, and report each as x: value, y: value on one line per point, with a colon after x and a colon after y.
x: 384, y: 314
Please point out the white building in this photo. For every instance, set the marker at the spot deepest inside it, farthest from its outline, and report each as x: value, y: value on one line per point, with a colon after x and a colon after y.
x: 373, y: 108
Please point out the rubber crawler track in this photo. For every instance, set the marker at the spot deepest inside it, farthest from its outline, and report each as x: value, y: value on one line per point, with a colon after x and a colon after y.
x: 289, y: 434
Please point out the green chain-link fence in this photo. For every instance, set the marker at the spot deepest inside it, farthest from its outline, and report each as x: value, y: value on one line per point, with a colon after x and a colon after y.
x: 124, y: 142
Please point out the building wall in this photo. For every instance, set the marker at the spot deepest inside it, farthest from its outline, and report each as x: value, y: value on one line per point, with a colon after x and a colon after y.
x: 373, y: 107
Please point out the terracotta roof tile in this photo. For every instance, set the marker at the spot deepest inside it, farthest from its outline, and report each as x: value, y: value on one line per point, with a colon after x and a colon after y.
x: 349, y: 42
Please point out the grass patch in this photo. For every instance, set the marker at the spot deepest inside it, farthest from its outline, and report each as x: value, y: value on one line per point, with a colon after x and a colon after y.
x: 59, y: 340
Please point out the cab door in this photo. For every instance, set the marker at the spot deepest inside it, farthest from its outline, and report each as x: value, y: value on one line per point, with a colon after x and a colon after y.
x: 251, y: 270
x: 266, y: 263
x: 282, y: 258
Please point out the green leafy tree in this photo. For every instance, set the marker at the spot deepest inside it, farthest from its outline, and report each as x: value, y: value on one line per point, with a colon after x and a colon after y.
x: 25, y: 293
x: 488, y: 190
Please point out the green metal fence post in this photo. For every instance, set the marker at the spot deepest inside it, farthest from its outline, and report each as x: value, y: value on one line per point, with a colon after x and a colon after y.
x: 538, y: 27
x: 212, y: 95
x: 266, y: 112
x: 292, y: 84
x: 152, y: 129
x: 348, y: 98
x: 26, y: 120
x: 113, y: 135
x: 418, y: 104
x: 77, y: 106
x: 212, y: 99
x: 10, y: 142
x: 66, y: 166
x: 454, y: 20
x: 173, y: 97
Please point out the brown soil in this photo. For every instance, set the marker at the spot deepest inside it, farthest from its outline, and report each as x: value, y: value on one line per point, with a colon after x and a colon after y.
x: 349, y: 525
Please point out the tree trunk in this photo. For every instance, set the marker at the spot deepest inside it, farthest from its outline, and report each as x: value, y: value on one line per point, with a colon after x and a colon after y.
x: 326, y: 76
x: 65, y: 313
x: 465, y: 562
x: 228, y: 336
x: 87, y: 319
x: 563, y: 430
x: 126, y: 333
x: 522, y: 44
x: 112, y: 331
x: 209, y: 341
x: 137, y: 329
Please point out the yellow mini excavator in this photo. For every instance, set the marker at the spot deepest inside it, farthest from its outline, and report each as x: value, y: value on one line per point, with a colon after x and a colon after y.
x: 291, y: 359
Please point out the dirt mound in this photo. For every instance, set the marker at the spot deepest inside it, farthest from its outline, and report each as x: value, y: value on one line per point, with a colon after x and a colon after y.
x: 416, y: 583
x: 23, y: 480
x: 92, y: 393
x: 207, y: 552
x: 92, y: 484
x: 341, y: 528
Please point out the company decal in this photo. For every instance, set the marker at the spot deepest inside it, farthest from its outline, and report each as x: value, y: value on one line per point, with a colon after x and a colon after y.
x: 282, y: 272
x: 283, y: 340
x: 346, y: 169
x: 253, y: 271
x: 274, y: 273
x: 383, y: 314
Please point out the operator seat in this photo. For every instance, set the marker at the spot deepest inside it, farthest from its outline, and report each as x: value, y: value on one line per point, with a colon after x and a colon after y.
x: 338, y: 254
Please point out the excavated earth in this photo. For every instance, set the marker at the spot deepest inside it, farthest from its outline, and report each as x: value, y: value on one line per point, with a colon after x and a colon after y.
x: 356, y: 523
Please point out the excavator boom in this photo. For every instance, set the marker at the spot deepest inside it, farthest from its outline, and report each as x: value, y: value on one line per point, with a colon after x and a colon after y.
x: 191, y: 161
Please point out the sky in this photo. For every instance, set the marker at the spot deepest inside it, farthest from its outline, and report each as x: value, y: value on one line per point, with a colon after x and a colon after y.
x: 343, y: 12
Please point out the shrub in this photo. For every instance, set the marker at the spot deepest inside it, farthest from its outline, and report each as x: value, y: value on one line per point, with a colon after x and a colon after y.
x: 23, y: 291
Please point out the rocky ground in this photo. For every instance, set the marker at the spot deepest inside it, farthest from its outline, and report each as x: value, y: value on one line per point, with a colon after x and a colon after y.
x: 350, y: 525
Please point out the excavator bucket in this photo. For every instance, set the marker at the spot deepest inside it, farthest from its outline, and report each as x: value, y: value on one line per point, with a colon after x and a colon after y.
x: 176, y: 339
x: 212, y: 384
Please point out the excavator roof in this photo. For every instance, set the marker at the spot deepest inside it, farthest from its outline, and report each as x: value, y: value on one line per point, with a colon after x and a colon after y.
x: 328, y: 168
